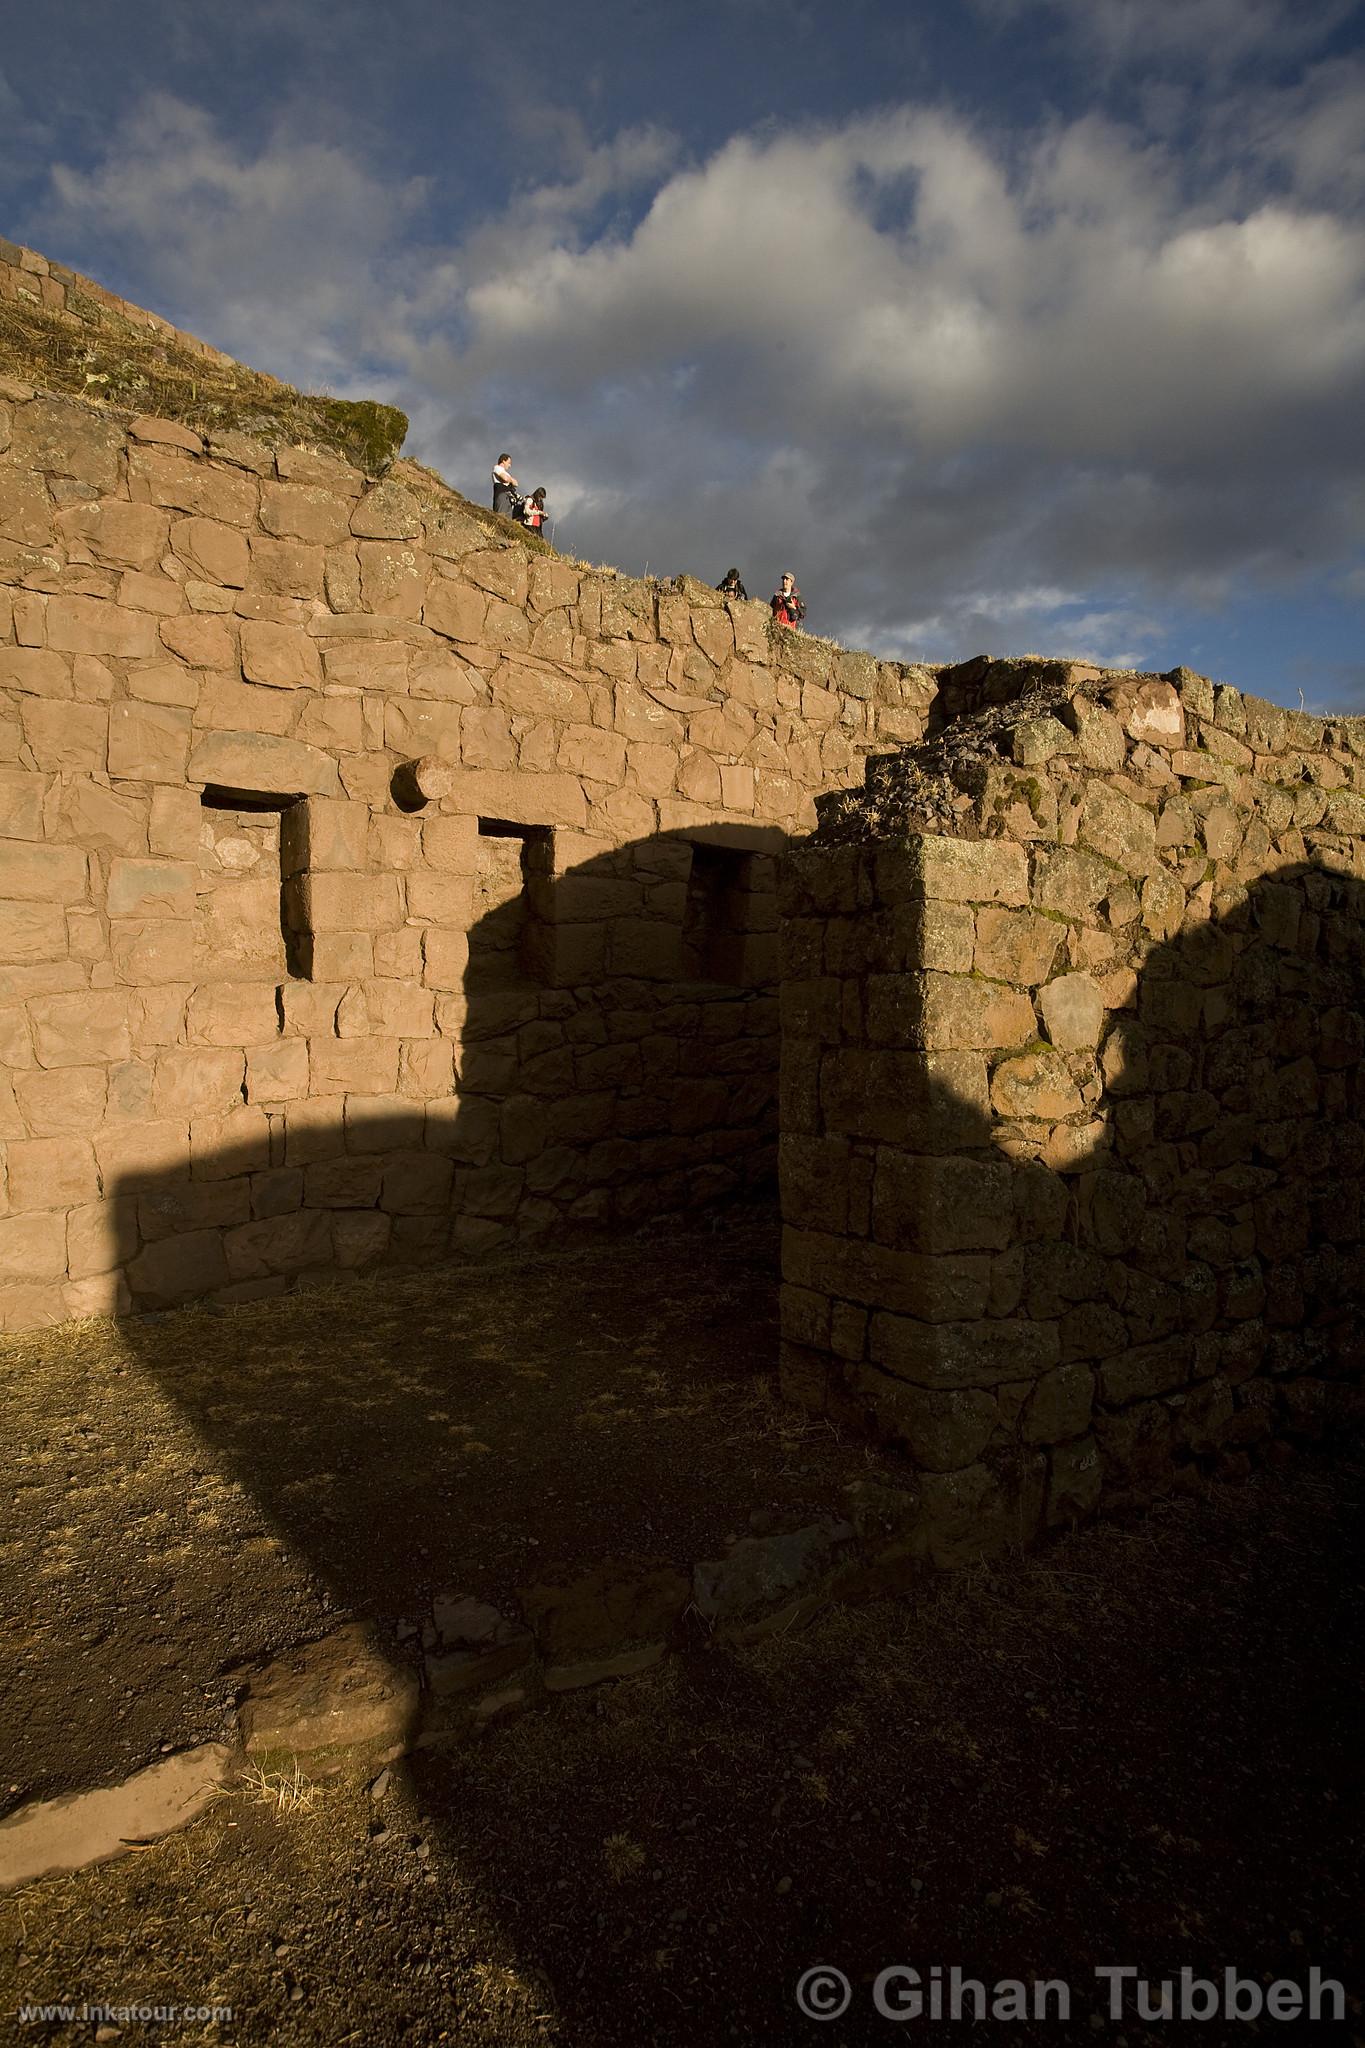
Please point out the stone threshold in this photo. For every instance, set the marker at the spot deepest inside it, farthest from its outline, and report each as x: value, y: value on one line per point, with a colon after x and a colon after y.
x: 346, y: 1703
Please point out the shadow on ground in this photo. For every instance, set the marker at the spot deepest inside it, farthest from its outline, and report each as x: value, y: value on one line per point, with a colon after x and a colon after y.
x: 1135, y: 1748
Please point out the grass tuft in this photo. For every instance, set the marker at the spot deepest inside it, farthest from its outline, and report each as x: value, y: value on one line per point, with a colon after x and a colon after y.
x: 110, y: 360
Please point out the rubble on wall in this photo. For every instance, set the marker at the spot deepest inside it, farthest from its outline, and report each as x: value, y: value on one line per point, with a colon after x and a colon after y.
x: 1071, y: 1110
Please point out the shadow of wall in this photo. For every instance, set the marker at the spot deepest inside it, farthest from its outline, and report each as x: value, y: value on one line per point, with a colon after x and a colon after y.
x: 616, y: 1065
x: 613, y: 1026
x: 1086, y: 1256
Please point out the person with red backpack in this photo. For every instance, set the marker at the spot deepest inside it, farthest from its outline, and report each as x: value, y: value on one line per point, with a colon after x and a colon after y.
x: 789, y: 607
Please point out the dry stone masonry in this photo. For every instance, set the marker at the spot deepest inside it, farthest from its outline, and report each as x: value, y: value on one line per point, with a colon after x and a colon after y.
x: 1072, y: 1101
x: 373, y: 881
x: 377, y: 885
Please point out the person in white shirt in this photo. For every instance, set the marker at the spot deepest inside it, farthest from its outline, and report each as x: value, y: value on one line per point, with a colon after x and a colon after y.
x: 504, y: 484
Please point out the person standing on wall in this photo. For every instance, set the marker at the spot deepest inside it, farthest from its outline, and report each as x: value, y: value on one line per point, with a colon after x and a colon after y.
x: 504, y: 485
x: 533, y: 512
x: 789, y: 607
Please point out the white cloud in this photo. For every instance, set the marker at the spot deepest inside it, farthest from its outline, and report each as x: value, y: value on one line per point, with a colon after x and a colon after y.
x: 1034, y: 388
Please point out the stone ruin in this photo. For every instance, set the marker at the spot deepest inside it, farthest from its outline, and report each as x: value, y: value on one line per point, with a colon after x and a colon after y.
x: 379, y: 885
x: 1072, y: 1094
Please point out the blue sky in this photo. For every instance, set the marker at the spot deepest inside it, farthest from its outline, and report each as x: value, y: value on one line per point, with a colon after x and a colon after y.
x: 1010, y: 325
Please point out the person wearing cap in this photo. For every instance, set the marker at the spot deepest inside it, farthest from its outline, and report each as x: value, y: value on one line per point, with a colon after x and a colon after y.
x: 789, y: 607
x: 504, y: 484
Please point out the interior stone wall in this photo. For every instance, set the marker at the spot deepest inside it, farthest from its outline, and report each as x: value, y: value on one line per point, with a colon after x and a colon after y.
x: 240, y: 1038
x: 1072, y: 1096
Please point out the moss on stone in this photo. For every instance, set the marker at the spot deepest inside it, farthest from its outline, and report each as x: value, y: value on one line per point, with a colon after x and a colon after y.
x: 110, y: 360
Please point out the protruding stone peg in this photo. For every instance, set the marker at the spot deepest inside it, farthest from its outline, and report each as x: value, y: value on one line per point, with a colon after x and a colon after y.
x: 423, y: 781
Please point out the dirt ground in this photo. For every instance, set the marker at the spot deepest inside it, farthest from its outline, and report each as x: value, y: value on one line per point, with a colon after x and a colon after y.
x: 1140, y: 1746
x: 193, y: 1492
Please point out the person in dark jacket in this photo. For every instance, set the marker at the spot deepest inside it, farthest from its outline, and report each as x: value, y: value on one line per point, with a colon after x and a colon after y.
x: 730, y: 585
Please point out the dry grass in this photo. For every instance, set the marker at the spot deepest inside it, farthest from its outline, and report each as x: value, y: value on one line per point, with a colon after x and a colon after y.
x: 287, y: 1792
x: 107, y: 359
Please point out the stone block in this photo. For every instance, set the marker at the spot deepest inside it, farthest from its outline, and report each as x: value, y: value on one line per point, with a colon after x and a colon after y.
x: 1072, y: 882
x: 941, y: 1204
x: 74, y: 1029
x: 1035, y: 1084
x: 202, y: 640
x: 305, y: 512
x: 36, y: 672
x: 152, y: 951
x: 151, y: 888
x: 940, y: 1429
x: 279, y: 657
x: 33, y: 1248
x: 1060, y: 1405
x: 586, y: 750
x: 925, y: 1102
x: 234, y: 1142
x: 1147, y: 1370
x: 211, y: 550
x: 324, y: 834
x: 196, y: 1081
x: 148, y: 742
x: 31, y: 873
x: 277, y: 1072
x: 1151, y: 711
x: 342, y: 1183
x: 441, y: 899
x: 177, y: 1269
x: 324, y: 903
x: 229, y: 1013
x: 122, y: 535
x: 953, y: 870
x: 992, y: 1353
x: 946, y: 1012
x: 1016, y: 946
x: 254, y: 761
x: 142, y: 1155
x: 1120, y: 830
x: 91, y: 625
x: 1073, y: 1012
x: 51, y: 1173
x: 415, y: 1184
x: 69, y: 739
x: 61, y: 1099
x: 31, y: 932
x: 101, y: 1236
x: 193, y: 1205
x: 67, y: 439
x: 361, y: 1065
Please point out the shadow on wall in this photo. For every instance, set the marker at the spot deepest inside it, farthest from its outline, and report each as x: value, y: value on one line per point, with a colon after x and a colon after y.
x: 1094, y: 1269
x: 615, y: 1038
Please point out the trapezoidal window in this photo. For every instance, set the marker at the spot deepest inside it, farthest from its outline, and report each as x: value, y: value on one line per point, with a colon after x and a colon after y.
x: 511, y: 938
x: 241, y: 926
x: 716, y: 918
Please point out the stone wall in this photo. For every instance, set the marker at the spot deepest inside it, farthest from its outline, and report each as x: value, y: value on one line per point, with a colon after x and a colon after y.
x: 270, y: 1004
x: 1073, y: 1112
x: 26, y: 275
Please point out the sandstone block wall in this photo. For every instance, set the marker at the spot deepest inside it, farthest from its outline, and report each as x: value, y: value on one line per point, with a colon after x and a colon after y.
x: 1073, y: 1112
x: 26, y: 275
x: 266, y: 1007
